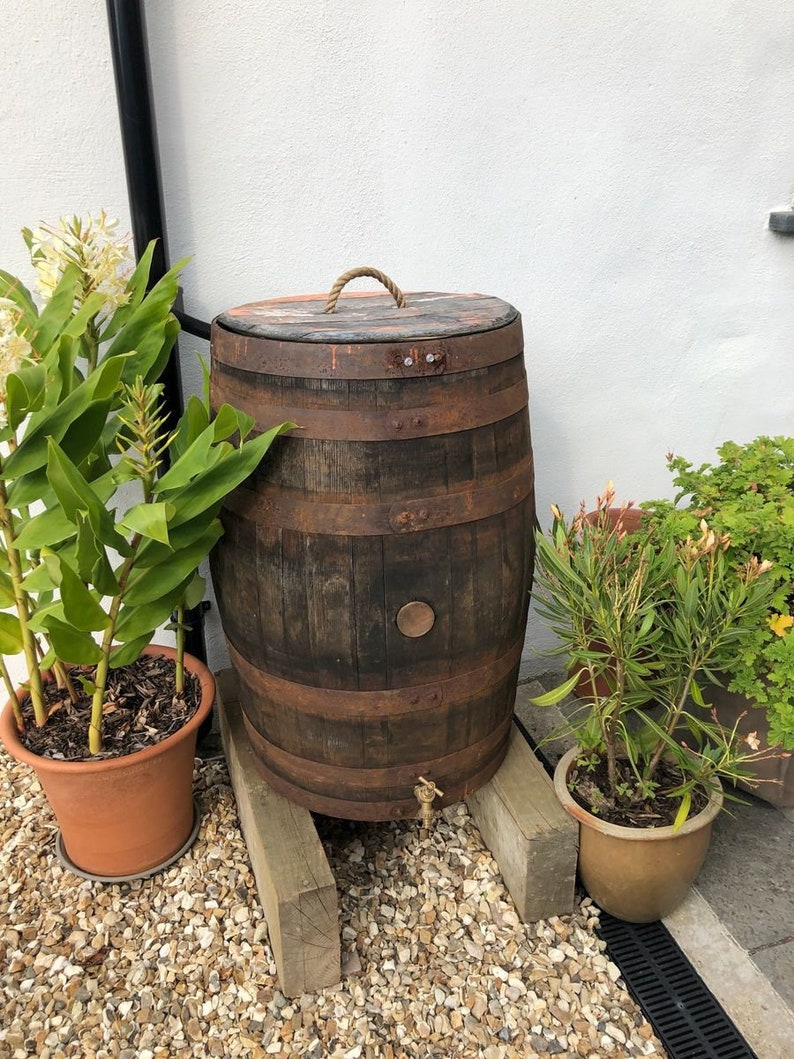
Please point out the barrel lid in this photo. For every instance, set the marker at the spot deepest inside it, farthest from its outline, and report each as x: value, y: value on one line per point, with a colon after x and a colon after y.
x: 369, y: 317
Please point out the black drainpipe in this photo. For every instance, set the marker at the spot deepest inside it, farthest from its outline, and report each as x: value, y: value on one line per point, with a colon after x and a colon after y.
x: 142, y: 166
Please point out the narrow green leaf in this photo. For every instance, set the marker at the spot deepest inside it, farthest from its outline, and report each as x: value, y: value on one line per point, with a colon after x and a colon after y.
x: 683, y: 811
x: 551, y: 698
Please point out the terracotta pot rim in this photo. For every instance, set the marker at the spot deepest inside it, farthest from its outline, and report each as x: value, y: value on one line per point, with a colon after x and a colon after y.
x: 13, y: 744
x: 629, y: 834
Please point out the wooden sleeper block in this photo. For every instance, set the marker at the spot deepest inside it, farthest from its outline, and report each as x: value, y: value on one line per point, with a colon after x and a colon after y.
x: 533, y: 840
x: 293, y: 877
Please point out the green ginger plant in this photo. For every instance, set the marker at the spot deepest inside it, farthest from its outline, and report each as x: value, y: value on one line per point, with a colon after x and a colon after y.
x: 88, y: 575
x: 749, y: 495
x: 646, y: 620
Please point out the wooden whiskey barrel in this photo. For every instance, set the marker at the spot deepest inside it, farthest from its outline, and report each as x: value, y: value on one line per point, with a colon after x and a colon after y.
x: 374, y: 576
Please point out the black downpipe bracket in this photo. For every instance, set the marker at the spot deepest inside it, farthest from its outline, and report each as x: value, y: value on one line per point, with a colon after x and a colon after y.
x: 142, y: 167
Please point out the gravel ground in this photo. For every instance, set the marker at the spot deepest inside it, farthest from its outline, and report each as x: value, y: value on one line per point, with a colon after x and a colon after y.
x: 436, y: 961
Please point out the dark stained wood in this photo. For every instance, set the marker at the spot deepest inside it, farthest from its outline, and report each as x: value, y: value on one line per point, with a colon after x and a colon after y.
x: 337, y: 534
x: 369, y: 317
x: 423, y: 358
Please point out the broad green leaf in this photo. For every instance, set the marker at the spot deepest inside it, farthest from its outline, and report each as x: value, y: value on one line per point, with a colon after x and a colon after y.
x: 136, y: 621
x: 80, y: 606
x: 82, y: 318
x: 14, y: 290
x: 226, y: 422
x: 207, y: 492
x: 136, y: 289
x: 126, y: 653
x: 39, y: 580
x: 55, y: 423
x: 10, y: 634
x: 25, y: 390
x: 56, y: 312
x: 149, y: 584
x: 189, y: 464
x: 76, y: 495
x: 562, y: 691
x: 150, y: 520
x: 153, y: 363
x: 193, y: 422
x: 7, y: 598
x: 149, y: 316
x: 194, y: 593
x: 92, y: 560
x: 151, y: 553
x: 71, y: 645
x: 47, y: 529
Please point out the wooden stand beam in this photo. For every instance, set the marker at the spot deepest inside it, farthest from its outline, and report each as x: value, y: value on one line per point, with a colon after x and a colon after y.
x: 533, y: 840
x: 293, y: 877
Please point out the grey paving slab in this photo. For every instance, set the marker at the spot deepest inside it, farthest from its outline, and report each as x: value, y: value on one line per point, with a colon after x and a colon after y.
x: 748, y: 877
x: 777, y: 964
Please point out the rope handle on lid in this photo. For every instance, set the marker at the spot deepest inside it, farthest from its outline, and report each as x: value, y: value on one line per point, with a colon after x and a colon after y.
x: 354, y: 273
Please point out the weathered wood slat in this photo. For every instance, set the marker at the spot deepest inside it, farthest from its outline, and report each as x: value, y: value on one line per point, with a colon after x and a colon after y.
x: 532, y: 838
x: 293, y: 877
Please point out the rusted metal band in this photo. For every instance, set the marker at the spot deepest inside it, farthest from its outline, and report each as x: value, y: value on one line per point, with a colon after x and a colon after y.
x: 325, y: 779
x: 342, y: 424
x: 373, y: 360
x: 326, y: 702
x: 273, y: 508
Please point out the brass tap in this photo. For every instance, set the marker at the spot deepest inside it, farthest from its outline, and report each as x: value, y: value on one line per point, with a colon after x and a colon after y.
x: 426, y: 793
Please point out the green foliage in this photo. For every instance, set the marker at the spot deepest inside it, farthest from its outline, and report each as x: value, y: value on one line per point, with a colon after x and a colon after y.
x: 90, y: 574
x: 749, y: 496
x: 645, y: 621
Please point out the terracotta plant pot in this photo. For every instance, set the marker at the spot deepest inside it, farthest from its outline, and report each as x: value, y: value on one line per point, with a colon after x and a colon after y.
x: 730, y: 706
x: 636, y: 874
x: 123, y: 816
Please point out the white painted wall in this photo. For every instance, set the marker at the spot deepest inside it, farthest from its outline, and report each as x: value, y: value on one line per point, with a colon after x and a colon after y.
x: 608, y: 168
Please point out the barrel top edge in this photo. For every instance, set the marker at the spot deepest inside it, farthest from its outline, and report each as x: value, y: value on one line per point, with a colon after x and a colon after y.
x: 368, y: 317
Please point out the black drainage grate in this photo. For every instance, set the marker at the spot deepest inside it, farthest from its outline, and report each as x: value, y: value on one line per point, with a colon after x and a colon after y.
x: 686, y: 1015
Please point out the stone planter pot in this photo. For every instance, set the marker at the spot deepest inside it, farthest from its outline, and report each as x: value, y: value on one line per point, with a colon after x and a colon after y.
x: 128, y: 816
x: 636, y: 874
x: 730, y: 706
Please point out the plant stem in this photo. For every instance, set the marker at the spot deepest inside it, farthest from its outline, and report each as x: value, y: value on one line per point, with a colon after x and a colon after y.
x: 13, y: 698
x: 180, y: 648
x: 64, y: 680
x: 103, y: 666
x: 20, y: 599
